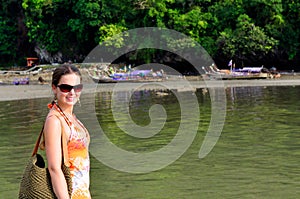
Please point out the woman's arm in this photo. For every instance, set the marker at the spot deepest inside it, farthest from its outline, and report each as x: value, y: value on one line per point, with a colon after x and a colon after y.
x: 52, y: 132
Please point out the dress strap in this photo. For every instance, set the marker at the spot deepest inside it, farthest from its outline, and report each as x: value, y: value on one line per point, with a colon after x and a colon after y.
x: 55, y: 105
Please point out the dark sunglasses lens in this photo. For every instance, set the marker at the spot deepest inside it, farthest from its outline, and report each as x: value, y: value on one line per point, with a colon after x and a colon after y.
x: 65, y: 88
x: 78, y: 88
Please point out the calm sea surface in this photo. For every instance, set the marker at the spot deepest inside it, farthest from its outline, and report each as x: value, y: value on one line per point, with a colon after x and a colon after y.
x: 256, y: 156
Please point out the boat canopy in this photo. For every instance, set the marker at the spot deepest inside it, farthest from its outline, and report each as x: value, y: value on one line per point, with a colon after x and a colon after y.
x: 250, y: 69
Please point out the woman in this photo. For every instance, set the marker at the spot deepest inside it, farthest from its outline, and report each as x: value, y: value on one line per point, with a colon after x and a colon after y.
x: 66, y: 86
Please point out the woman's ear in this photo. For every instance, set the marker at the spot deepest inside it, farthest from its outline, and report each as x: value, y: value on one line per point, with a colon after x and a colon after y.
x: 54, y: 88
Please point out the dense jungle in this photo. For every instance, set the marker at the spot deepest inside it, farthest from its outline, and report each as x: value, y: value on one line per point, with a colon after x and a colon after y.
x: 249, y: 32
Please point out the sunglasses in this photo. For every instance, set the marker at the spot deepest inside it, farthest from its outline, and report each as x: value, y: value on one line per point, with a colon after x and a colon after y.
x: 65, y: 88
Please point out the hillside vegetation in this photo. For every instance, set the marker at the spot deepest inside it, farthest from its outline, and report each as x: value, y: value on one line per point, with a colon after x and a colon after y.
x: 250, y: 32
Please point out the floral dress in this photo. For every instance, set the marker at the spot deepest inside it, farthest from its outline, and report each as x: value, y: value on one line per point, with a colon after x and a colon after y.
x: 78, y: 157
x: 79, y: 161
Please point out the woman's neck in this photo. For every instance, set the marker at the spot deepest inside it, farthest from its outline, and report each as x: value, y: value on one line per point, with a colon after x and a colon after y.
x: 66, y: 109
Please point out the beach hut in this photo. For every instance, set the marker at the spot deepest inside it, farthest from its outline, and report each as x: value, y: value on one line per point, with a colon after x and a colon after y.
x: 32, y: 61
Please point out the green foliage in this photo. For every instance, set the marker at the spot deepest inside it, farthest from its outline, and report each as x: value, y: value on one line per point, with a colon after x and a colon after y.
x: 246, y: 42
x: 290, y: 30
x: 86, y: 15
x: 111, y: 35
x: 8, y: 33
x: 245, y: 30
x: 7, y: 38
x: 61, y: 25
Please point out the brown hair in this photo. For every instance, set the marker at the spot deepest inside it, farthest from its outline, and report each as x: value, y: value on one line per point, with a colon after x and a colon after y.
x: 64, y: 70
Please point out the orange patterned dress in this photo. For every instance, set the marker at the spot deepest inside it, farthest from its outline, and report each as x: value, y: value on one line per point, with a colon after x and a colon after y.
x: 78, y: 157
x: 79, y: 161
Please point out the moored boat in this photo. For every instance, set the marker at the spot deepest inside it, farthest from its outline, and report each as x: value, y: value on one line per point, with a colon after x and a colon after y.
x: 237, y: 74
x: 131, y: 76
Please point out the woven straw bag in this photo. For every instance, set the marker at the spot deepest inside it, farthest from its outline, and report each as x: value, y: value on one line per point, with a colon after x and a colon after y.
x: 36, y: 181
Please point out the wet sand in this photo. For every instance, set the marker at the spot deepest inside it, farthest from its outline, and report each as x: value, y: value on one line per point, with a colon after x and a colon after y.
x: 13, y: 92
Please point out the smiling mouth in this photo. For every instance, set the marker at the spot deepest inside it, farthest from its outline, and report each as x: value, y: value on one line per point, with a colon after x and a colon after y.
x: 70, y: 98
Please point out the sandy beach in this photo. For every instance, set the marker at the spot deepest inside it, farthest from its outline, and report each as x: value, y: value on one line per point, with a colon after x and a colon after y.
x: 35, y: 89
x: 18, y: 92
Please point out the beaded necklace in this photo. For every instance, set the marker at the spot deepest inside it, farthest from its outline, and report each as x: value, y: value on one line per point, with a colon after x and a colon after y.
x: 63, y: 114
x: 69, y: 122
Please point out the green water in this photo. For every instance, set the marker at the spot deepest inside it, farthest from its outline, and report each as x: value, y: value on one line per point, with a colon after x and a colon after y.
x: 256, y: 156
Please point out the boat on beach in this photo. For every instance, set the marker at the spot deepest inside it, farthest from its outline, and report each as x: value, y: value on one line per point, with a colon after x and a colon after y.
x: 19, y: 77
x: 129, y: 76
x: 247, y: 73
x: 21, y: 81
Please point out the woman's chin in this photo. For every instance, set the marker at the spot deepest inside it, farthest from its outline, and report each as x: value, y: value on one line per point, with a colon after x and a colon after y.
x: 71, y: 102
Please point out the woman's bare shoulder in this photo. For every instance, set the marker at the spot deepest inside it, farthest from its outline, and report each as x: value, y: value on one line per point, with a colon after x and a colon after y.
x: 52, y: 124
x: 55, y: 122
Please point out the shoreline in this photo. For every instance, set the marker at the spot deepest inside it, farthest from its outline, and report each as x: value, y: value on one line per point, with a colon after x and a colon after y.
x: 19, y: 92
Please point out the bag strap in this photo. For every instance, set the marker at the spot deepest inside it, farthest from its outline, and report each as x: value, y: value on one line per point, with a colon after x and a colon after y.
x: 38, y: 141
x: 63, y: 143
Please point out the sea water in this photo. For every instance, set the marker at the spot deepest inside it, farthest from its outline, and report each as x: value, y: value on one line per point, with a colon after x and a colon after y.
x: 256, y: 155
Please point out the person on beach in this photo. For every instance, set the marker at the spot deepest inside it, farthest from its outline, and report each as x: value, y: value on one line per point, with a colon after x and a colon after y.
x: 67, y: 87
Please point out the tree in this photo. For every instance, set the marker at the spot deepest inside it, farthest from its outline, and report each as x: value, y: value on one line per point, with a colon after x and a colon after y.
x: 256, y: 31
x: 8, y: 40
x: 11, y: 33
x: 62, y: 27
x: 247, y: 43
x: 289, y: 33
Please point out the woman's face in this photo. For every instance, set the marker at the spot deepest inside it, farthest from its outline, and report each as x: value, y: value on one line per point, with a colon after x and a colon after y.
x: 67, y: 98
